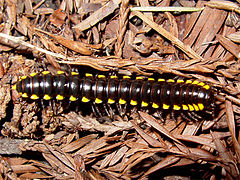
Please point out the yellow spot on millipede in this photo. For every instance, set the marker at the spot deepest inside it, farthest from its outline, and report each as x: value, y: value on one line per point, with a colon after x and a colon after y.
x: 33, y: 74
x: 59, y: 97
x: 206, y: 87
x: 151, y: 79
x: 98, y: 101
x: 60, y: 72
x: 122, y: 101
x: 72, y: 98
x: 144, y: 104
x: 34, y: 97
x: 101, y: 76
x: 133, y: 103
x: 180, y: 81
x: 188, y: 82
x: 25, y: 95
x: 170, y: 80
x: 195, y: 82
x: 165, y: 106
x: 46, y: 97
x: 74, y: 73
x: 196, y: 107
x: 111, y: 101
x: 201, y: 84
x: 161, y: 80
x: 45, y: 72
x: 14, y: 87
x: 88, y: 75
x: 176, y: 107
x: 23, y: 77
x: 113, y: 77
x: 84, y: 99
x: 185, y: 107
x: 201, y: 106
x: 191, y: 108
x: 154, y: 105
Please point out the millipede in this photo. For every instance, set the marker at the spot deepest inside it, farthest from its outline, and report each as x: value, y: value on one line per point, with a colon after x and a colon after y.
x: 188, y: 96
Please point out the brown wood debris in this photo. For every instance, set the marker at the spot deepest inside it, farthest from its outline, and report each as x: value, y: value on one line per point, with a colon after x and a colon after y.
x: 178, y: 38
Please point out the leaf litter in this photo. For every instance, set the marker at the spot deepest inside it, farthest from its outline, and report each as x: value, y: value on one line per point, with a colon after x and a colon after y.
x: 189, y: 39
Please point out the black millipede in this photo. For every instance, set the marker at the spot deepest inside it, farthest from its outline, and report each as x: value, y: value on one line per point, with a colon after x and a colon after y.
x: 161, y: 94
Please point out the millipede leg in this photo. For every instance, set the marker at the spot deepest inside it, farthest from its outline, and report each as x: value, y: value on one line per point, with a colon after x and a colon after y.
x: 122, y: 110
x: 133, y: 110
x: 196, y: 115
x: 59, y: 107
x: 191, y: 115
x: 119, y: 108
x: 66, y: 106
x: 35, y: 107
x: 159, y: 113
x: 73, y: 69
x: 112, y: 73
x: 173, y: 116
x: 111, y: 112
x: 125, y: 109
x: 76, y: 107
x: 106, y: 109
x: 96, y: 110
x: 208, y: 112
x: 53, y: 106
x: 42, y: 103
x: 184, y: 116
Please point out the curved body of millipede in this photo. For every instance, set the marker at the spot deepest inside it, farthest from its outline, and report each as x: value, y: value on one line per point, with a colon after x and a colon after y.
x: 161, y: 94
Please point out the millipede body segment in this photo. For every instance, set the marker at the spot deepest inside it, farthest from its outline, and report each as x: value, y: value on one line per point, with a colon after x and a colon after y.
x: 158, y: 94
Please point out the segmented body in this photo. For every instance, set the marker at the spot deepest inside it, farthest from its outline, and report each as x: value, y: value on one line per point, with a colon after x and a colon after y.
x: 146, y: 93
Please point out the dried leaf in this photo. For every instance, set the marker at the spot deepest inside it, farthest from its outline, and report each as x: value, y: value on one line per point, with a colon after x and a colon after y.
x: 197, y: 139
x: 232, y: 129
x: 229, y: 45
x: 150, y: 140
x: 5, y: 97
x: 227, y: 5
x: 153, y: 122
x: 19, y: 169
x: 225, y: 155
x: 119, y: 154
x: 169, y: 36
x: 93, y: 146
x: 61, y: 156
x: 169, y: 160
x: 79, y: 143
x: 34, y: 176
x: 98, y: 15
x: 55, y: 163
x: 107, y: 160
x: 57, y: 18
x: 73, y: 45
x: 235, y: 37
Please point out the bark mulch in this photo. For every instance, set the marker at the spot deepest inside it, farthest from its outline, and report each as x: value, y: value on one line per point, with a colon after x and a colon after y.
x: 196, y: 40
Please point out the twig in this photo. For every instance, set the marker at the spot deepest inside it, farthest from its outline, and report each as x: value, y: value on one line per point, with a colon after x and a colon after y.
x: 20, y: 40
x: 191, y: 53
x: 123, y: 20
x: 226, y: 5
x: 166, y: 9
x: 98, y: 15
